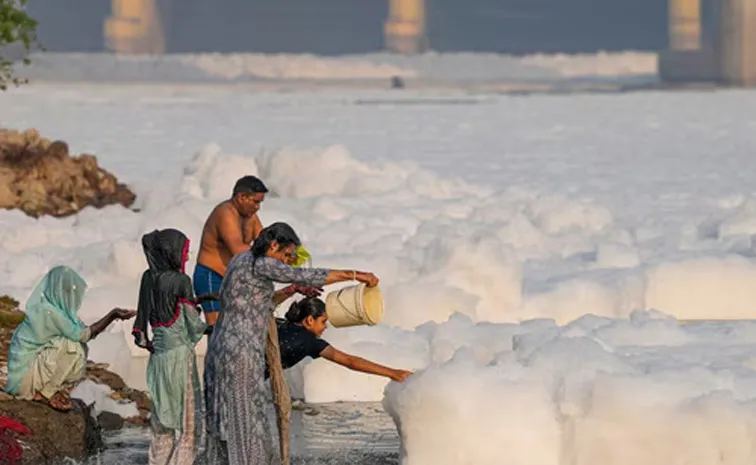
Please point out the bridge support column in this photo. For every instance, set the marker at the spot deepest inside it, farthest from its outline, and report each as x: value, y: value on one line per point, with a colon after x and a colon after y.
x: 687, y: 59
x: 134, y: 27
x: 730, y: 59
x: 405, y: 30
x: 685, y: 24
x: 738, y: 42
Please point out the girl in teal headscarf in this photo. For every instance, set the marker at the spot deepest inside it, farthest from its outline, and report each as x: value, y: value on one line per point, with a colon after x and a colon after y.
x: 48, y: 348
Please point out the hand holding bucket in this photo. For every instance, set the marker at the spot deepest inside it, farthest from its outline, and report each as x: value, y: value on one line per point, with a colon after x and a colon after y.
x: 361, y: 304
x: 369, y: 279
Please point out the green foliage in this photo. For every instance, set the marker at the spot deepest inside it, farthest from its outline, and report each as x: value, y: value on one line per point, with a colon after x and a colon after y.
x: 17, y: 28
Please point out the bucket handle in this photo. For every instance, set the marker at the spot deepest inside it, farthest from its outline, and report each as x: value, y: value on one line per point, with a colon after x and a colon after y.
x: 346, y: 309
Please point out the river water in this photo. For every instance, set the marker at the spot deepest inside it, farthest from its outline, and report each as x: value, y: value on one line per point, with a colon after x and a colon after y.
x: 323, y: 434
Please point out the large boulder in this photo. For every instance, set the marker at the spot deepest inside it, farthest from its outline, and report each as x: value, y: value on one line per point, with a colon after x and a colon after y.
x: 40, y: 177
x: 54, y: 435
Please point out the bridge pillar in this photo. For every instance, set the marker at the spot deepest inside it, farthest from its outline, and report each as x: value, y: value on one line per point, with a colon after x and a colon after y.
x: 687, y: 59
x: 685, y: 24
x: 738, y: 42
x: 134, y: 27
x: 730, y: 58
x: 405, y: 29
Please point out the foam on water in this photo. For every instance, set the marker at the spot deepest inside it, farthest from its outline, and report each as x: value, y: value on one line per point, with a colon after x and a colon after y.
x: 595, y: 391
x: 487, y: 292
x: 283, y: 67
x: 99, y: 395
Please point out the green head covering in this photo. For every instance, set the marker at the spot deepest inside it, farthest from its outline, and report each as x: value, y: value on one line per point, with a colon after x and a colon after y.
x: 303, y: 256
x: 51, y: 313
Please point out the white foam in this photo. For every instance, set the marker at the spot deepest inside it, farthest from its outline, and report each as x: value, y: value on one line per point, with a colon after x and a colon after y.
x: 599, y: 64
x: 210, y: 173
x: 100, y: 395
x: 517, y: 423
x: 282, y: 67
x: 487, y: 291
x: 583, y: 396
x: 693, y: 288
x: 452, y: 248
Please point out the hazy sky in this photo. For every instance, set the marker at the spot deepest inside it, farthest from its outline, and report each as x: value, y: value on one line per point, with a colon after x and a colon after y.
x: 355, y: 26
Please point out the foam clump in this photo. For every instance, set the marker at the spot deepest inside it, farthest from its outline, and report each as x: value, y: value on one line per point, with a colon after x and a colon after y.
x: 705, y: 287
x: 496, y: 274
x: 100, y: 395
x: 211, y: 173
x: 517, y: 425
x: 741, y: 221
x: 333, y: 171
x: 599, y: 64
x: 596, y: 391
x: 613, y: 255
x: 237, y: 67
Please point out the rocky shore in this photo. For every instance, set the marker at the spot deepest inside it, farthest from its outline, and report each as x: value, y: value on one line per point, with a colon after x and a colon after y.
x: 40, y: 177
x: 54, y: 436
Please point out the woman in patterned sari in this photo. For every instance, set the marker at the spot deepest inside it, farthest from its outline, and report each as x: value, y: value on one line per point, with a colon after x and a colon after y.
x: 239, y: 432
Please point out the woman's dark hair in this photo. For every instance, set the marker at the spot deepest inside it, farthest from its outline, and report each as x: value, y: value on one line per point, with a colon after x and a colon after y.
x: 279, y: 232
x: 310, y: 306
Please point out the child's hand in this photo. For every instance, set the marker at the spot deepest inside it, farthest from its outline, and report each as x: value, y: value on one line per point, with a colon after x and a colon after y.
x: 308, y: 291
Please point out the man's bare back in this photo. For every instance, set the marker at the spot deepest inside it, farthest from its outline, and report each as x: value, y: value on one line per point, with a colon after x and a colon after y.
x: 225, y: 234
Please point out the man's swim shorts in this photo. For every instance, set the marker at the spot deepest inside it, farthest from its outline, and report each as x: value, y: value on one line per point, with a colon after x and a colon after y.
x: 207, y: 281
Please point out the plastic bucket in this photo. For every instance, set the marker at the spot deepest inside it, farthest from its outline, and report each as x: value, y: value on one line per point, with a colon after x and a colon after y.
x: 355, y: 305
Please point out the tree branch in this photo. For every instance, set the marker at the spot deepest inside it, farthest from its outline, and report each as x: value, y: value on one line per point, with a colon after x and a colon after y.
x: 16, y: 28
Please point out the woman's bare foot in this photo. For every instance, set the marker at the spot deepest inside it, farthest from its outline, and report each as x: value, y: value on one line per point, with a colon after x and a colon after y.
x: 59, y: 401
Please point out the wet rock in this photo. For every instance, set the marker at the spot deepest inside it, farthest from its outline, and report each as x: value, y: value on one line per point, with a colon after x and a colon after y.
x: 10, y: 317
x: 98, y: 373
x: 141, y: 399
x: 110, y: 421
x: 142, y: 420
x: 55, y: 435
x: 298, y: 405
x: 40, y: 177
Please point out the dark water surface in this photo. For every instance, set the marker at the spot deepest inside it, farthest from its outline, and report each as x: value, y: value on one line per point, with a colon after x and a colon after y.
x: 324, y: 434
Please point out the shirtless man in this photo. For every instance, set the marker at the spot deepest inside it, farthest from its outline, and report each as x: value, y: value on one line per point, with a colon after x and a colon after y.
x: 230, y: 229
